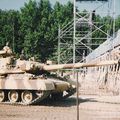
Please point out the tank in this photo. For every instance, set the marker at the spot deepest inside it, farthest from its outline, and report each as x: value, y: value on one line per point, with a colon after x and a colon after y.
x: 29, y: 82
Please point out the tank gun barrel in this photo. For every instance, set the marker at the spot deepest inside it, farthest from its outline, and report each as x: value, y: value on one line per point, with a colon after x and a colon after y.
x: 29, y: 66
x: 78, y: 65
x: 4, y: 72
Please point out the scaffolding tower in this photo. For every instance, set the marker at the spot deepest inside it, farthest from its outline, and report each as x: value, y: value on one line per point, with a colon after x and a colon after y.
x: 77, y: 39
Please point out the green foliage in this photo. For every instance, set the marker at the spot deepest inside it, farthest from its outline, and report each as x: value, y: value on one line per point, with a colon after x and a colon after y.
x: 35, y: 27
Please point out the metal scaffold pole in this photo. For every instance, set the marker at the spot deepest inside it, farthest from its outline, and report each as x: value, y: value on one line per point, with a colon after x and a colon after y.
x: 74, y: 37
x: 77, y: 101
x: 74, y: 57
x: 113, y: 18
x: 58, y: 45
x: 74, y: 31
x: 13, y: 46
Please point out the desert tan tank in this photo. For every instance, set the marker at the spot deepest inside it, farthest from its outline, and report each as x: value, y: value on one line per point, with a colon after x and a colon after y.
x: 29, y: 82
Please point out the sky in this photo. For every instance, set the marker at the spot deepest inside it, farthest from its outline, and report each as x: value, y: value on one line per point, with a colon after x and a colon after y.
x: 17, y: 4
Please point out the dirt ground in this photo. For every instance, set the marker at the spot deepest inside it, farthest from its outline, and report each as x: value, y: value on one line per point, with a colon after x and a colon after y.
x: 90, y: 108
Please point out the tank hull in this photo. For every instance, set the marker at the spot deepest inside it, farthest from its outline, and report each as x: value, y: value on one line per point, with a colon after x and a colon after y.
x: 24, y: 82
x: 28, y: 89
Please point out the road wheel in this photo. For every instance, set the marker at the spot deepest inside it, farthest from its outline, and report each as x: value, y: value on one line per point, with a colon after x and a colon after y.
x: 2, y: 96
x: 13, y: 96
x: 27, y: 97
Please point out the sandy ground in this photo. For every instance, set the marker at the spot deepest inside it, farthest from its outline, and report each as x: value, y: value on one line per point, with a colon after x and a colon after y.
x: 90, y: 108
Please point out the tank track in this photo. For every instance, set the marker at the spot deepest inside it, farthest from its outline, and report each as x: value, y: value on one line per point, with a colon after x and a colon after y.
x: 40, y: 98
x: 34, y: 102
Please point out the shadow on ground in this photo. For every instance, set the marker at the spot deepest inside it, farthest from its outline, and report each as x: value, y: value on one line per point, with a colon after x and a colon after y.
x: 66, y: 102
